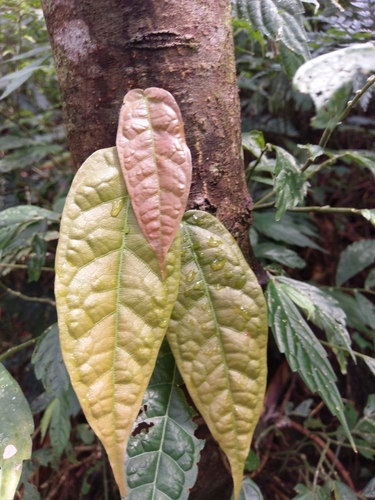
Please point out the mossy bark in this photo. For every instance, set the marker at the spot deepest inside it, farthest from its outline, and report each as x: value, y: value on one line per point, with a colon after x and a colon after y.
x: 104, y: 48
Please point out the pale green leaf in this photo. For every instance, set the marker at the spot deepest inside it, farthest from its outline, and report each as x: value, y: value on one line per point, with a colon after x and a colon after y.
x: 303, y: 350
x: 249, y: 490
x: 162, y: 452
x: 354, y: 259
x: 370, y: 362
x: 370, y: 280
x: 16, y: 427
x: 305, y: 493
x: 323, y: 76
x: 26, y: 157
x: 280, y: 254
x: 369, y: 215
x: 156, y: 164
x: 113, y: 305
x: 218, y: 335
x: 37, y: 258
x: 278, y: 19
x: 290, y: 182
x: 254, y: 142
x: 328, y: 115
x: 48, y: 363
x: 17, y: 78
x: 313, y: 150
x: 26, y: 213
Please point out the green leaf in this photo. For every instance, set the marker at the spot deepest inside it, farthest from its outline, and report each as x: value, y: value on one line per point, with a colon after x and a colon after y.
x: 278, y: 19
x: 303, y: 350
x: 113, y: 305
x: 325, y: 314
x: 370, y: 362
x: 354, y: 317
x: 328, y: 115
x: 59, y: 429
x: 26, y: 157
x: 218, y: 335
x: 30, y: 492
x: 354, y: 259
x: 366, y: 308
x: 325, y: 76
x: 252, y: 461
x: 360, y: 157
x: 162, y: 452
x: 280, y: 254
x: 249, y: 490
x: 369, y: 215
x: 16, y: 427
x: 48, y: 363
x: 156, y: 164
x: 37, y: 258
x: 26, y: 213
x: 290, y: 182
x: 290, y: 60
x: 254, y: 142
x: 19, y: 77
x: 290, y: 229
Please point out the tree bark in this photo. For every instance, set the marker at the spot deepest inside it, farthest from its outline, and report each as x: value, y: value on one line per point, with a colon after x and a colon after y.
x: 104, y: 48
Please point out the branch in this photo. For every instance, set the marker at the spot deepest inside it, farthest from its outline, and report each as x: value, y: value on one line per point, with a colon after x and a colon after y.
x: 26, y: 297
x: 17, y: 348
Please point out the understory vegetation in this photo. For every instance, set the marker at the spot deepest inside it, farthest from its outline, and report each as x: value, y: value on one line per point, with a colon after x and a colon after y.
x: 310, y: 167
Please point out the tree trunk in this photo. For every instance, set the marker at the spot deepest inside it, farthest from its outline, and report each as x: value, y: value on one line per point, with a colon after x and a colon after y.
x: 104, y: 48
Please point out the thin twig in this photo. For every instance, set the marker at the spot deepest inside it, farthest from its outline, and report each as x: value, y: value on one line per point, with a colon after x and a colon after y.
x: 330, y: 454
x: 24, y: 266
x: 27, y: 297
x: 15, y: 349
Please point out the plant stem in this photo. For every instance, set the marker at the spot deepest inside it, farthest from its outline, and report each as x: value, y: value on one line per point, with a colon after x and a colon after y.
x: 15, y: 349
x: 250, y: 171
x: 24, y: 266
x: 340, y: 348
x: 328, y: 132
x: 26, y: 297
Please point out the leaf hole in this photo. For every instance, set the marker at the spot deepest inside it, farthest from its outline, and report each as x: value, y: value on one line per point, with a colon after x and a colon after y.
x: 143, y: 426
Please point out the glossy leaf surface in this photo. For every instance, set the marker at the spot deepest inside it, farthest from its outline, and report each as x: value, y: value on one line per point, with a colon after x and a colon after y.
x: 218, y: 335
x: 162, y: 453
x: 303, y: 351
x: 156, y: 164
x: 113, y: 305
x: 16, y: 427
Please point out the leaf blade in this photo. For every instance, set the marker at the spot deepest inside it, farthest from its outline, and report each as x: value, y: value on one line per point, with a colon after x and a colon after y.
x: 156, y: 164
x: 218, y: 333
x: 16, y: 427
x: 111, y: 327
x: 354, y: 259
x: 168, y: 434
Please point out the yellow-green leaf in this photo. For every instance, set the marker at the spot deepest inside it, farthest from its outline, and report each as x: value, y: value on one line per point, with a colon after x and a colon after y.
x: 113, y: 305
x: 156, y: 164
x: 218, y: 335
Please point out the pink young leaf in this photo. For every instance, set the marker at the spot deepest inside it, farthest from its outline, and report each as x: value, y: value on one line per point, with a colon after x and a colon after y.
x: 156, y: 164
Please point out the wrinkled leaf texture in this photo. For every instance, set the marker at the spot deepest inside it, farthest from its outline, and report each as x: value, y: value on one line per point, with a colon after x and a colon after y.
x: 156, y: 164
x: 113, y: 305
x: 278, y: 19
x: 16, y: 427
x: 218, y: 335
x: 162, y: 452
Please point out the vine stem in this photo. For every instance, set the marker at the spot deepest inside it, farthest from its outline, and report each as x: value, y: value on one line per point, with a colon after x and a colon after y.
x: 329, y: 453
x: 15, y: 349
x: 324, y: 140
x: 26, y: 297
